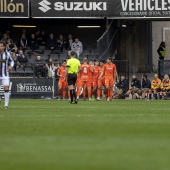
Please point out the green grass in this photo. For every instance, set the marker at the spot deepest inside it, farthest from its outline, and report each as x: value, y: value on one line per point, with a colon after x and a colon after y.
x: 53, y: 135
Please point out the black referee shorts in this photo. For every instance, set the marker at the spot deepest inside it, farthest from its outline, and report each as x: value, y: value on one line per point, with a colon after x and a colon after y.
x: 72, y: 79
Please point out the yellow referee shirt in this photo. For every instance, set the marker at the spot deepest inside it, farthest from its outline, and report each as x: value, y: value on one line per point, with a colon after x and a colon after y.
x: 73, y: 65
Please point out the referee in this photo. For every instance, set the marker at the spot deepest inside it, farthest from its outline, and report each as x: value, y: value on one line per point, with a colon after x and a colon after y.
x: 73, y: 67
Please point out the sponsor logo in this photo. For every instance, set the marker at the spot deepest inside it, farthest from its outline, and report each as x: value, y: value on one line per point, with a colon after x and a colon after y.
x: 73, y: 6
x: 44, y: 6
x: 28, y: 87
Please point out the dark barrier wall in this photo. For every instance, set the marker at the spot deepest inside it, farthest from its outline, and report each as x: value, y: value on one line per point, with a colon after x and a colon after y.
x: 32, y: 87
x: 14, y: 8
x: 163, y: 68
x: 101, y: 8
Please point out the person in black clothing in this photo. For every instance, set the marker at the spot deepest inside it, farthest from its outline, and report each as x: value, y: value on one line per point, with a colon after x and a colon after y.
x: 22, y: 59
x: 33, y: 43
x: 23, y: 42
x: 162, y: 51
x: 121, y: 88
x: 42, y: 38
x: 51, y: 43
x: 135, y: 87
x: 39, y: 67
x: 146, y: 85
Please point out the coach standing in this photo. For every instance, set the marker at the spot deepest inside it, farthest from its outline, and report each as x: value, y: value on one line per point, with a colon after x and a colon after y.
x: 73, y: 67
x: 6, y: 65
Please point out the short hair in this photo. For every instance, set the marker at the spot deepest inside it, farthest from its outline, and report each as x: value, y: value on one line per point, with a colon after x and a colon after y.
x: 3, y: 42
x: 72, y: 53
x: 109, y: 58
x: 102, y: 61
x: 85, y: 59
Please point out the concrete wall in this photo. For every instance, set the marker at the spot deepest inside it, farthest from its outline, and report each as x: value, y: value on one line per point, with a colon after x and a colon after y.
x: 157, y: 38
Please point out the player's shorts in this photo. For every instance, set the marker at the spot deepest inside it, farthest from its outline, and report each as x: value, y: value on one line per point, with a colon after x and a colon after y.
x: 72, y: 78
x: 78, y: 83
x: 62, y: 84
x: 85, y: 84
x: 95, y: 83
x: 5, y: 81
x: 101, y: 83
x: 109, y: 81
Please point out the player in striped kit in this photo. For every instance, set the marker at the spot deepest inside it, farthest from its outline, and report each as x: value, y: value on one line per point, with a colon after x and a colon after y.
x: 6, y: 65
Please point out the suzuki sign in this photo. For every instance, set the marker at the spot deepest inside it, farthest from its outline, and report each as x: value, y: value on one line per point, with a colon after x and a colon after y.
x: 55, y: 9
x: 100, y: 8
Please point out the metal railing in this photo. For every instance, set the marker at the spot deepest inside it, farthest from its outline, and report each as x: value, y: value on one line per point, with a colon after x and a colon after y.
x: 106, y: 44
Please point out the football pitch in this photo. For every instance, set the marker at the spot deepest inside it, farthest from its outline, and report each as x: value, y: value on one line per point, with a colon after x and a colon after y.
x: 116, y: 135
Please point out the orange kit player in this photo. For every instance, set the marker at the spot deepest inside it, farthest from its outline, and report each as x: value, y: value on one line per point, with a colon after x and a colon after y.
x: 62, y: 84
x: 78, y: 83
x: 165, y: 87
x: 101, y: 82
x: 155, y: 87
x: 84, y: 83
x: 91, y: 64
x: 95, y: 76
x: 110, y: 73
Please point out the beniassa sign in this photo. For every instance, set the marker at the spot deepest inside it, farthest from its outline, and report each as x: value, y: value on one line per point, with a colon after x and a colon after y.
x: 99, y: 8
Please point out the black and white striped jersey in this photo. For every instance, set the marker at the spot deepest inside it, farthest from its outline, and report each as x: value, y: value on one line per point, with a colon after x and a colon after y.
x: 5, y: 61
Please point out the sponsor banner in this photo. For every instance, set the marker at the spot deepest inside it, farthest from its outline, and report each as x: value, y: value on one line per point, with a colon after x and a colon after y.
x: 101, y: 8
x: 69, y: 8
x: 32, y: 87
x: 14, y: 8
x: 142, y: 9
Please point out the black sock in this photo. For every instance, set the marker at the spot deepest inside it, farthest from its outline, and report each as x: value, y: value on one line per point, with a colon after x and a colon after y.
x: 71, y: 94
x: 74, y: 94
x: 155, y: 96
x: 150, y: 96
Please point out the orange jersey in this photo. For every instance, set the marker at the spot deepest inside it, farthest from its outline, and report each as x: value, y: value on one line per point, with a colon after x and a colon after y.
x: 100, y: 70
x: 61, y: 71
x: 85, y: 72
x: 91, y: 74
x: 165, y: 83
x: 109, y: 69
x: 95, y: 72
x: 155, y: 84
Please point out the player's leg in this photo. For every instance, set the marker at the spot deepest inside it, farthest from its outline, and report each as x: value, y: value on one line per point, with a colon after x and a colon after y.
x: 150, y: 93
x: 60, y: 88
x: 64, y: 90
x: 107, y: 88
x: 0, y: 86
x: 5, y: 83
x: 94, y: 89
x: 89, y: 87
x: 111, y: 83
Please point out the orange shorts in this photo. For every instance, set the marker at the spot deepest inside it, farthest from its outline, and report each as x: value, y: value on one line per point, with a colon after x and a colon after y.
x: 78, y: 83
x: 109, y: 81
x: 101, y: 82
x: 85, y: 84
x: 95, y: 83
x: 62, y: 84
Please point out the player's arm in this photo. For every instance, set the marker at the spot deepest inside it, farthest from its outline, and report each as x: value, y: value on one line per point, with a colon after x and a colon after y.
x: 58, y: 72
x: 11, y: 62
x: 116, y: 76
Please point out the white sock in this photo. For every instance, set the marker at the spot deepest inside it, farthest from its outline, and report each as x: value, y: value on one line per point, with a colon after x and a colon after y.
x: 6, y: 97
